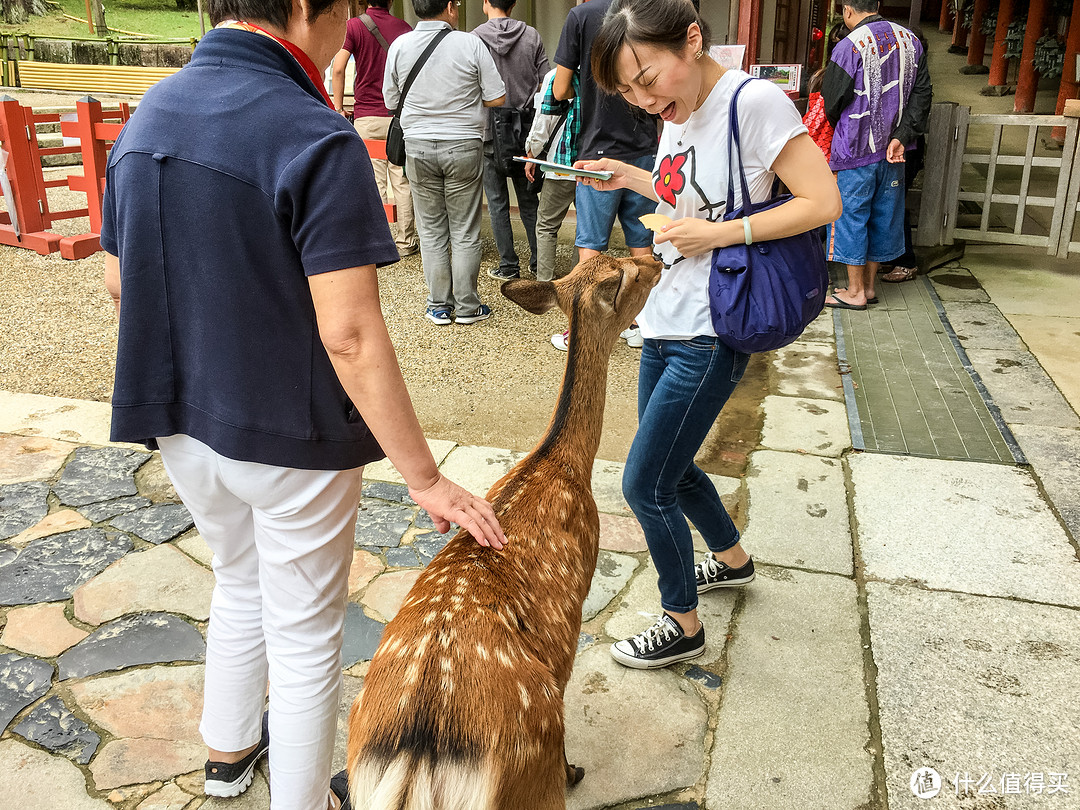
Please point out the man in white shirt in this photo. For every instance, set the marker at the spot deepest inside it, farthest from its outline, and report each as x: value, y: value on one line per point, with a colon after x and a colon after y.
x: 443, y: 121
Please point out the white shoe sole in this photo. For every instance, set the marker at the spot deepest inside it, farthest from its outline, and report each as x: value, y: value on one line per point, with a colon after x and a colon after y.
x: 226, y: 790
x: 659, y: 663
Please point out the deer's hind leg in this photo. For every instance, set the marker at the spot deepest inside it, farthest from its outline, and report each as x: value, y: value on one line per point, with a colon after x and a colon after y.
x: 574, y: 774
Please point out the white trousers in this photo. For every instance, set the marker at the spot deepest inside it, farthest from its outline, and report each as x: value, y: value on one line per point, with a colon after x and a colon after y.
x: 282, y: 541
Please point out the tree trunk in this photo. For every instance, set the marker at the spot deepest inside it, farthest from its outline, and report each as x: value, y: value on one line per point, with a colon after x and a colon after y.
x: 101, y: 28
x: 17, y: 12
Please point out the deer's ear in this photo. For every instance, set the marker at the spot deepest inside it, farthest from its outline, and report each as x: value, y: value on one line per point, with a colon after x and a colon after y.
x: 536, y: 297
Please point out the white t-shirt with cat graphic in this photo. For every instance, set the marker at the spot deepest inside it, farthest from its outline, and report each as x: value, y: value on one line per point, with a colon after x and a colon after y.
x: 691, y: 179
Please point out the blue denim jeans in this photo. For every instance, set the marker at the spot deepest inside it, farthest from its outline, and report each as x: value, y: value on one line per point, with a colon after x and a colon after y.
x: 682, y: 385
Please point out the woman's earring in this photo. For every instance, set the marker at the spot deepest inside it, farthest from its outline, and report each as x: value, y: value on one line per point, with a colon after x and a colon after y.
x: 699, y: 54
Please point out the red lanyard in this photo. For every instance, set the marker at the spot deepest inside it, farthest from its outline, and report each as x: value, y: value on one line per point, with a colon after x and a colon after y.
x: 301, y: 58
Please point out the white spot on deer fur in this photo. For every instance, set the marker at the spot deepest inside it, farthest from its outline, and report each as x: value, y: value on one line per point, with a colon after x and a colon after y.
x: 412, y: 673
x: 503, y: 658
x: 456, y: 600
x: 446, y: 665
x: 447, y: 687
x: 482, y: 652
x: 524, y: 696
x: 403, y: 701
x: 430, y: 618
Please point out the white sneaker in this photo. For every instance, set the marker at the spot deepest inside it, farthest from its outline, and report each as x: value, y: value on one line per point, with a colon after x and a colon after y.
x: 633, y: 338
x: 560, y: 340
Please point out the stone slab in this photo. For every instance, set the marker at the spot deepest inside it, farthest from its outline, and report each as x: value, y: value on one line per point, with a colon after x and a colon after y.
x: 382, y: 524
x: 170, y: 797
x: 135, y: 762
x: 957, y: 284
x: 799, y: 424
x: 66, y: 520
x: 160, y: 701
x: 362, y: 636
x: 22, y: 681
x: 1054, y: 453
x: 975, y: 685
x: 819, y: 330
x: 613, y: 572
x: 807, y: 370
x: 1024, y: 281
x: 639, y: 607
x: 195, y: 547
x: 159, y: 579
x: 605, y: 703
x: 147, y: 638
x: 385, y: 471
x: 982, y: 326
x: 796, y: 658
x: 156, y: 524
x: 478, y: 468
x: 69, y: 420
x: 31, y: 458
x: 1056, y: 342
x: 154, y: 482
x: 22, y: 506
x: 387, y: 591
x: 40, y: 630
x: 51, y: 725
x: 31, y: 779
x: 961, y: 526
x: 365, y: 567
x: 618, y: 533
x: 99, y: 474
x: 798, y: 514
x: 1021, y: 389
x: 52, y: 568
x: 98, y: 512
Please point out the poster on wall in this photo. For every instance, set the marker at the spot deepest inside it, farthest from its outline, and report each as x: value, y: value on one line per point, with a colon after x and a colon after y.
x: 728, y: 56
x: 786, y: 77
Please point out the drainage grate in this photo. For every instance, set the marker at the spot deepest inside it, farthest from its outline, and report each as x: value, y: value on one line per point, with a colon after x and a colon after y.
x: 908, y: 384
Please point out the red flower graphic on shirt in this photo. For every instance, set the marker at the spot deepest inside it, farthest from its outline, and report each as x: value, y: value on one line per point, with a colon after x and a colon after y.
x: 669, y: 179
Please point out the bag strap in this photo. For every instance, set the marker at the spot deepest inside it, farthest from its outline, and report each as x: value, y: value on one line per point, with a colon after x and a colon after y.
x: 733, y: 121
x: 374, y: 29
x: 551, y: 138
x: 419, y: 64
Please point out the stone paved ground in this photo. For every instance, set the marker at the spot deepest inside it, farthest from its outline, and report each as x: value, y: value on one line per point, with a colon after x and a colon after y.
x: 909, y: 613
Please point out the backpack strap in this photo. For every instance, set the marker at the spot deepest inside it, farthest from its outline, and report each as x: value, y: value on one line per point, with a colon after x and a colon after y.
x: 374, y: 29
x: 419, y: 64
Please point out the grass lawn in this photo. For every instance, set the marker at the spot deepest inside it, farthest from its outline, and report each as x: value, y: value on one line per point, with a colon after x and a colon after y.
x: 159, y: 19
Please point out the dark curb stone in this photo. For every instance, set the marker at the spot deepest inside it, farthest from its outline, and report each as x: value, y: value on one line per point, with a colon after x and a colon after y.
x: 22, y: 681
x: 362, y: 636
x: 99, y: 474
x: 157, y: 523
x: 51, y: 568
x: 51, y: 725
x: 397, y: 493
x: 22, y: 506
x: 97, y: 512
x: 382, y: 524
x: 151, y: 638
x: 430, y: 544
x: 424, y: 521
x: 705, y: 678
x: 404, y: 557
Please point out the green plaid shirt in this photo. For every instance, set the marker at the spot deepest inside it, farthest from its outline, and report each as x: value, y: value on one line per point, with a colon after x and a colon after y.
x: 566, y: 149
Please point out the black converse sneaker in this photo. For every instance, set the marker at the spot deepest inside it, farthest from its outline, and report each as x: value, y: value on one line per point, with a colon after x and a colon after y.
x: 227, y: 779
x: 662, y: 644
x: 711, y: 573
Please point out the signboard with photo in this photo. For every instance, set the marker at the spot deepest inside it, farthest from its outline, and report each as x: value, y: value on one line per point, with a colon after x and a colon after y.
x: 786, y: 77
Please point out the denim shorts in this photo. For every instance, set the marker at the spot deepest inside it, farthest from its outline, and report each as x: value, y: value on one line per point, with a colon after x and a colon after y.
x: 596, y: 212
x: 871, y: 229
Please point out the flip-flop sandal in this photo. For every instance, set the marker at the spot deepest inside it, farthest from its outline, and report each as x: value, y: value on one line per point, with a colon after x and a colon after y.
x: 898, y: 274
x: 873, y: 300
x: 840, y: 303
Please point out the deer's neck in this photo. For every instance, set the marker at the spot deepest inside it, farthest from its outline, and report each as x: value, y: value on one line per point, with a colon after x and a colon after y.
x: 574, y: 433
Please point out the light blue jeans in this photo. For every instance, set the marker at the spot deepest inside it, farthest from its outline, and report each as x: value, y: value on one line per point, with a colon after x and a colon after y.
x: 447, y: 181
x: 682, y: 385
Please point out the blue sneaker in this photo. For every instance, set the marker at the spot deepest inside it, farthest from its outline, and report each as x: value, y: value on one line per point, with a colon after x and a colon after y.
x: 482, y: 314
x: 439, y: 317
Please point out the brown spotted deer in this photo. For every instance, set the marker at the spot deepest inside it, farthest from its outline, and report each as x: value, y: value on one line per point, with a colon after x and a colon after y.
x: 462, y: 707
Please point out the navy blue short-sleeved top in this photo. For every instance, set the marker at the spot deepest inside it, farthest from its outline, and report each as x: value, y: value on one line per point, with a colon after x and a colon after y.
x: 230, y: 185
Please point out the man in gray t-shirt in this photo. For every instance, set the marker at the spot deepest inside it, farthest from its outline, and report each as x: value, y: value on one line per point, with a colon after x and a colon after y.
x: 443, y: 121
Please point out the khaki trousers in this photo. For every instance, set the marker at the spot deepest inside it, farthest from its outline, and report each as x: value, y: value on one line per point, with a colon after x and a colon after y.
x: 388, y: 176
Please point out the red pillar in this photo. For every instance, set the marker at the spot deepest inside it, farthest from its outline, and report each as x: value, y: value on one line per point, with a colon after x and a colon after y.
x: 1028, y: 82
x: 959, y: 33
x: 1069, y: 86
x: 999, y: 65
x: 977, y: 45
x: 750, y: 29
x: 943, y: 21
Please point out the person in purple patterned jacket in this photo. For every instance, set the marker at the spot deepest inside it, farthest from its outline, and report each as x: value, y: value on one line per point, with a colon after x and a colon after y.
x: 877, y: 95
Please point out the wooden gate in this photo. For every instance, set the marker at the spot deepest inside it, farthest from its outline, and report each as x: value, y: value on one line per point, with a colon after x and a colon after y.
x: 992, y: 178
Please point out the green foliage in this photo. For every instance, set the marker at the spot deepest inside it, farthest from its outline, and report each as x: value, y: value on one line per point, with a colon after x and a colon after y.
x: 989, y: 22
x: 160, y: 19
x: 1014, y: 39
x: 1049, y: 57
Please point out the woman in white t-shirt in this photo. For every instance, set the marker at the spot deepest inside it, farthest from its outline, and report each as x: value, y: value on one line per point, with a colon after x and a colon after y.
x: 655, y: 54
